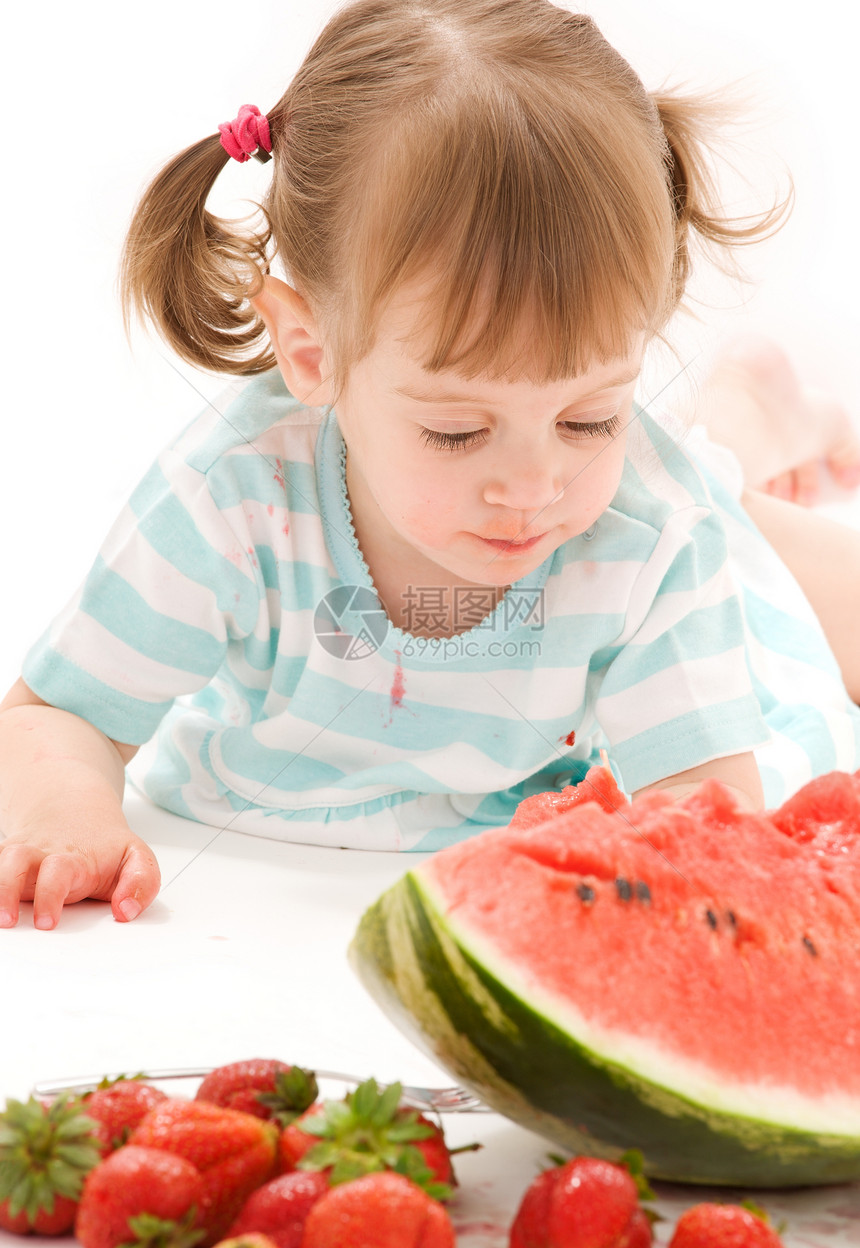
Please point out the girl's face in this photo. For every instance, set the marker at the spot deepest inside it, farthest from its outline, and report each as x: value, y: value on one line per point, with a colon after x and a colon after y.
x: 482, y: 478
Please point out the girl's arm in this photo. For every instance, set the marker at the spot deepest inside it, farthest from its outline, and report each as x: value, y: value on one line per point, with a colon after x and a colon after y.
x: 739, y: 773
x: 66, y: 838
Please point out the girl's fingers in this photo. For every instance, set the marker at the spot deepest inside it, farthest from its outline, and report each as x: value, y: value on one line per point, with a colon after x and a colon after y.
x: 58, y: 875
x: 52, y: 880
x: 137, y: 886
x: 19, y: 866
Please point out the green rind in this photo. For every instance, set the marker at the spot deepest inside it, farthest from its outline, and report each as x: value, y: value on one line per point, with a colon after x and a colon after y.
x: 524, y: 1066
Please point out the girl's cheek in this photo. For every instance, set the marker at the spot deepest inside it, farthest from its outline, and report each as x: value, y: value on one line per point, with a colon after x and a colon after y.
x: 429, y: 515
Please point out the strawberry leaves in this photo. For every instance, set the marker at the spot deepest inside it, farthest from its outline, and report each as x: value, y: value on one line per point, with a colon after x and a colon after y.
x: 45, y: 1152
x: 295, y: 1091
x: 366, y: 1132
x: 149, y: 1231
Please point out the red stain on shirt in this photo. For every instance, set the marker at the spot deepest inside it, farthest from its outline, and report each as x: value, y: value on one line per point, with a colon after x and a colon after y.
x: 271, y: 509
x: 279, y: 475
x: 398, y: 687
x: 570, y: 739
x: 286, y: 530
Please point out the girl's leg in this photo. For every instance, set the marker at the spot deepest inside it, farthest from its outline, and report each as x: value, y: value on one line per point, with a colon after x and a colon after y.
x: 824, y: 557
x: 782, y: 434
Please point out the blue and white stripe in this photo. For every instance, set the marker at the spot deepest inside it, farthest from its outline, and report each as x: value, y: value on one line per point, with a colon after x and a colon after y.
x: 193, y: 635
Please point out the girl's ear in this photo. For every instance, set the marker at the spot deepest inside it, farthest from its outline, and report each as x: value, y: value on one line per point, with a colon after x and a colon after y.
x: 295, y: 341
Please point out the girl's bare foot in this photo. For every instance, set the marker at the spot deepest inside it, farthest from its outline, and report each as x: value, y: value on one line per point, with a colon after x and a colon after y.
x: 784, y: 435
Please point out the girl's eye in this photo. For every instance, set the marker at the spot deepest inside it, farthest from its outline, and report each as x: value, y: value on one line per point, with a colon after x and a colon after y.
x: 576, y: 430
x: 593, y: 428
x: 452, y: 441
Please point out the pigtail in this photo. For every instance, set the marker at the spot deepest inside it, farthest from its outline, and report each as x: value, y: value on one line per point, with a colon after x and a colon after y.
x: 688, y: 122
x: 190, y: 273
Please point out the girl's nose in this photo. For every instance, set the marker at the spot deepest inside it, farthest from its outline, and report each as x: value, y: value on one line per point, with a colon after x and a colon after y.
x: 525, y: 483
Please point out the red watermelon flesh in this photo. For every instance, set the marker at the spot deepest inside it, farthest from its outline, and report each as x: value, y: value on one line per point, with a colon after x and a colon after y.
x: 598, y: 785
x: 725, y: 943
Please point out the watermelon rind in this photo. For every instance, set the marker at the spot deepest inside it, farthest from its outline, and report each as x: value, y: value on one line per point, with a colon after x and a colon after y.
x: 427, y: 976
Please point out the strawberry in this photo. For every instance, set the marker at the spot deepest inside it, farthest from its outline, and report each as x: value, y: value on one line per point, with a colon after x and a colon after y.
x: 118, y: 1107
x: 296, y: 1140
x: 380, y: 1210
x: 279, y: 1208
x: 141, y: 1196
x: 585, y: 1203
x: 261, y: 1086
x: 234, y: 1152
x: 45, y: 1153
x: 724, y: 1226
x: 367, y: 1131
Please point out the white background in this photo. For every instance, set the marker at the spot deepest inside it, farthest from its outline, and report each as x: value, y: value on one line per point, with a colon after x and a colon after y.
x: 96, y: 96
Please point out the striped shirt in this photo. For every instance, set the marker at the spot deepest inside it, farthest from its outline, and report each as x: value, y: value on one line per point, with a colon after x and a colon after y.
x: 230, y: 626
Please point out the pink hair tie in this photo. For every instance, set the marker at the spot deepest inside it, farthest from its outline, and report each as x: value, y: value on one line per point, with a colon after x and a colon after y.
x: 247, y: 136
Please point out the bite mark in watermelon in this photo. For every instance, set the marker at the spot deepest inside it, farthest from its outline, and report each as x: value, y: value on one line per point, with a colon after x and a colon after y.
x: 682, y: 978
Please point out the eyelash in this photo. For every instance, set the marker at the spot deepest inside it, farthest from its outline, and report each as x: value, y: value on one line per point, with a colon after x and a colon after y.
x: 461, y: 441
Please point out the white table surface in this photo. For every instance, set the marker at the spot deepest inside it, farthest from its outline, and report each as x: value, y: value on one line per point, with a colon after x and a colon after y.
x: 243, y: 955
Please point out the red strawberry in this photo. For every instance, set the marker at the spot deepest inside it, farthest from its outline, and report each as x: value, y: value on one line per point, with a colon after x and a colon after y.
x: 140, y: 1195
x: 723, y: 1226
x: 295, y: 1140
x: 261, y: 1086
x: 58, y: 1222
x: 118, y: 1107
x: 367, y: 1131
x: 279, y: 1208
x: 380, y: 1210
x: 639, y: 1233
x: 586, y: 1203
x: 45, y: 1152
x: 234, y: 1152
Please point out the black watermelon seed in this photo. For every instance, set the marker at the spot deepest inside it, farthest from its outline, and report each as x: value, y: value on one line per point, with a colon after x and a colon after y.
x: 810, y: 946
x: 730, y: 915
x: 712, y: 919
x: 622, y: 887
x: 585, y: 893
x: 643, y: 892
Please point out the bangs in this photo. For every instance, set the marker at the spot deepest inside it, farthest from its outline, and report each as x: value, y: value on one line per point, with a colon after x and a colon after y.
x: 545, y: 234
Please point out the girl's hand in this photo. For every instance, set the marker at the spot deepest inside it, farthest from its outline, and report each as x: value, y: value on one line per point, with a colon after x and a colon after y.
x: 56, y: 867
x: 61, y: 786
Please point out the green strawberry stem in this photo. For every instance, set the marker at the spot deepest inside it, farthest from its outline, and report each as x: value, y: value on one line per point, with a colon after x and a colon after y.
x: 369, y: 1131
x: 633, y: 1161
x: 149, y: 1231
x: 295, y: 1091
x: 45, y: 1152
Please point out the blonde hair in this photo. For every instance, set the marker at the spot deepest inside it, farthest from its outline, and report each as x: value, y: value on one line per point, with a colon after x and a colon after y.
x: 500, y: 149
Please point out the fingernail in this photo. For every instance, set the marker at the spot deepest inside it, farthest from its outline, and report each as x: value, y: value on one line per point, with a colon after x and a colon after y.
x: 45, y: 922
x: 7, y: 919
x: 130, y: 909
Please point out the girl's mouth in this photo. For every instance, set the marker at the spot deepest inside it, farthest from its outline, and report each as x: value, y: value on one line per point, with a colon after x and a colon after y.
x: 512, y: 546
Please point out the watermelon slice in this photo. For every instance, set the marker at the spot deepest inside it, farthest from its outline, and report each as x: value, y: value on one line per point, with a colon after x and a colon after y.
x: 682, y: 978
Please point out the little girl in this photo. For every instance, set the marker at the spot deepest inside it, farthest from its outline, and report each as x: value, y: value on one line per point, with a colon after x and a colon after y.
x: 433, y: 558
